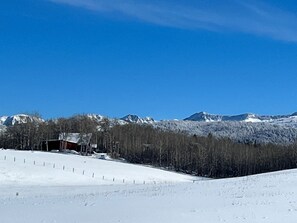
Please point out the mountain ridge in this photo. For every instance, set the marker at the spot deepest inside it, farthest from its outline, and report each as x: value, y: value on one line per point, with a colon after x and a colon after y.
x: 246, y: 117
x: 137, y: 120
x: 19, y: 119
x: 248, y: 127
x: 133, y: 118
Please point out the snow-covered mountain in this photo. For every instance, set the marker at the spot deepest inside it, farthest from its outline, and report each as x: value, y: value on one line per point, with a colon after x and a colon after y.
x: 248, y: 117
x: 6, y: 121
x: 281, y: 129
x: 124, y: 120
x: 96, y: 117
x: 22, y: 118
x: 18, y: 119
x: 3, y: 119
x: 204, y: 117
x: 137, y: 120
x: 244, y: 128
x: 258, y: 132
x: 101, y: 118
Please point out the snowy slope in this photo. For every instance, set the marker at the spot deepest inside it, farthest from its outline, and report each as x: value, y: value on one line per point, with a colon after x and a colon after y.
x: 17, y: 168
x: 259, y: 132
x: 2, y: 128
x: 270, y: 198
x: 3, y: 119
x: 280, y: 129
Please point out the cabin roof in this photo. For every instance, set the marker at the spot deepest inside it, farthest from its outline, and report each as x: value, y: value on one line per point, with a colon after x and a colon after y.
x: 78, y: 138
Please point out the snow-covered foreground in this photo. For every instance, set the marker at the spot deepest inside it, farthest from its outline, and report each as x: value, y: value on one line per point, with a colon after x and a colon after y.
x: 52, y: 169
x: 47, y: 194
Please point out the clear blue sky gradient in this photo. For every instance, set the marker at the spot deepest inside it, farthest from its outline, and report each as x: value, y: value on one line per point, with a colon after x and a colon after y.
x: 59, y: 59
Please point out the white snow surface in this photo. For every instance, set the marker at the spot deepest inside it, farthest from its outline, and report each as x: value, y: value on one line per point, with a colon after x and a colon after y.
x: 53, y: 169
x: 3, y: 119
x: 33, y: 193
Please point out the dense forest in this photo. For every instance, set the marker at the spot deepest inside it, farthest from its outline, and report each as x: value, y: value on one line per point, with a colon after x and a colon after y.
x: 202, y: 156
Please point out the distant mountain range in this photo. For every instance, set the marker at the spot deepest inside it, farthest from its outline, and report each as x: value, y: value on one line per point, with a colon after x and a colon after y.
x: 243, y: 128
x: 249, y: 128
x: 124, y: 120
x: 248, y: 117
x: 23, y: 118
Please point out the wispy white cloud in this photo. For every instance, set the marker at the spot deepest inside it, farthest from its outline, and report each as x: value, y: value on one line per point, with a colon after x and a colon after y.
x: 251, y: 16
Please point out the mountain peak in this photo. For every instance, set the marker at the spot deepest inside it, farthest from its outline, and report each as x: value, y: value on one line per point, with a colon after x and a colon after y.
x: 136, y: 119
x: 20, y: 118
x: 205, y: 117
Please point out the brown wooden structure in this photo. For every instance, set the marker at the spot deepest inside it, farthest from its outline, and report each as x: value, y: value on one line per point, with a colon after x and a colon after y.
x: 69, y: 141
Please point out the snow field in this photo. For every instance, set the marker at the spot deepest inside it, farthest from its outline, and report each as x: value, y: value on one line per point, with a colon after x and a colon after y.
x: 65, y: 197
x: 52, y: 169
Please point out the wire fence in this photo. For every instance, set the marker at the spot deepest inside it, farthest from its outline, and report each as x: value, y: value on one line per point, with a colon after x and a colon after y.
x: 79, y: 171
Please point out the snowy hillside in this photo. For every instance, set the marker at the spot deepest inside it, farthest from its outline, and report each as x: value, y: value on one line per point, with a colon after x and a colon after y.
x: 284, y: 133
x: 52, y: 169
x: 2, y: 128
x: 281, y: 129
x: 46, y: 194
x: 3, y: 119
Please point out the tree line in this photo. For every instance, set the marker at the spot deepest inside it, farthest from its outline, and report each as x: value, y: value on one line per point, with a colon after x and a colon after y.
x: 143, y: 144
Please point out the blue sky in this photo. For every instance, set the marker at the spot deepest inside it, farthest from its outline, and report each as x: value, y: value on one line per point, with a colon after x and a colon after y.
x: 165, y: 59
